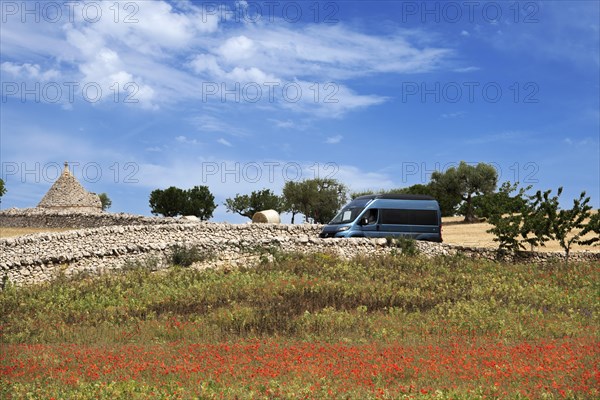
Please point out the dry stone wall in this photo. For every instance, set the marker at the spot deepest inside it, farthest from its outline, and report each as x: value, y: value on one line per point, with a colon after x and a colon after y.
x: 44, y: 218
x: 42, y: 257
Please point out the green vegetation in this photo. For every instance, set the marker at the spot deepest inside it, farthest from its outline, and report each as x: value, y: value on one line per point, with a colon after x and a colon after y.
x: 518, y: 220
x: 458, y: 190
x: 171, y: 202
x: 311, y: 297
x: 307, y: 326
x: 184, y: 256
x: 318, y: 199
x: 105, y: 200
x: 247, y: 205
x: 466, y: 182
x: 2, y: 190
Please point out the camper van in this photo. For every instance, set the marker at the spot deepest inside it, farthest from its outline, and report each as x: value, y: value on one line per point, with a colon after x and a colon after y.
x: 386, y: 215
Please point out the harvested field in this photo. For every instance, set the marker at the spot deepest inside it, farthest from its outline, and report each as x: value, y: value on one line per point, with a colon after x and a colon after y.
x: 12, y: 232
x: 475, y: 235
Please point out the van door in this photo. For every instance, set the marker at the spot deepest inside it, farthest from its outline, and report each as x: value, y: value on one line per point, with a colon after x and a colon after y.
x: 395, y: 222
x: 369, y: 223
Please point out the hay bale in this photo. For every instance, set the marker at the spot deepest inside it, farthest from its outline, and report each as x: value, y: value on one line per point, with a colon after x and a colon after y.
x: 266, y: 216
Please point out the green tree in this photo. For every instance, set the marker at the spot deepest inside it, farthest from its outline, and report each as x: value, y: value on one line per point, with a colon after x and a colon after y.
x: 168, y: 202
x: 569, y: 226
x: 537, y: 220
x: 292, y: 198
x: 592, y: 227
x: 247, y: 206
x: 354, y: 195
x: 499, y: 202
x: 105, y: 200
x: 508, y: 213
x: 174, y: 201
x: 318, y: 199
x: 199, y: 201
x: 2, y: 190
x: 447, y: 201
x: 465, y: 182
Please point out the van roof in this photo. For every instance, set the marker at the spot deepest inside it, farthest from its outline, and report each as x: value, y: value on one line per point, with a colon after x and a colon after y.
x: 395, y: 196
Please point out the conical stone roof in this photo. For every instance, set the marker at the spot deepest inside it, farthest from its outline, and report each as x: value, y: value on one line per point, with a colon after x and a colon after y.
x: 68, y: 194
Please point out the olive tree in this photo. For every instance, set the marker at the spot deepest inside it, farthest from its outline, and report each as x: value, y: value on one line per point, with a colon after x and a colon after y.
x: 318, y: 199
x: 247, y: 205
x: 174, y: 201
x: 466, y: 182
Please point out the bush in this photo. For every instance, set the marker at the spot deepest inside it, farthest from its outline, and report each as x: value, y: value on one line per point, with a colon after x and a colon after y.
x: 407, y: 245
x: 185, y: 256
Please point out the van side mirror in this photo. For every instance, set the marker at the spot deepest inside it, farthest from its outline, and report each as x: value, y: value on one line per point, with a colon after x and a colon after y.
x: 364, y: 221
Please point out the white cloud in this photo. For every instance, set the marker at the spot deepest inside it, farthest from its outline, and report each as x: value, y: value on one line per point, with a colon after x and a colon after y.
x: 29, y: 71
x: 252, y: 74
x: 464, y: 33
x: 237, y: 48
x: 224, y: 142
x: 454, y: 114
x: 206, y: 63
x: 104, y: 67
x: 165, y: 51
x: 332, y: 101
x: 186, y: 140
x: 358, y: 180
x: 334, y: 139
x: 209, y: 123
x: 283, y: 124
x: 466, y: 69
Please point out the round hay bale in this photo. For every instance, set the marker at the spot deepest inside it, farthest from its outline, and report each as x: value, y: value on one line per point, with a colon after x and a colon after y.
x: 266, y: 216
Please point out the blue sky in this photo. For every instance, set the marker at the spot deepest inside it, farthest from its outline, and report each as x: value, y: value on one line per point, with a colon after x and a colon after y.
x: 242, y: 96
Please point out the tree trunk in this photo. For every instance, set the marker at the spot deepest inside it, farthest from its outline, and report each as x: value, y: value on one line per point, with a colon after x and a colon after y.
x: 469, y: 216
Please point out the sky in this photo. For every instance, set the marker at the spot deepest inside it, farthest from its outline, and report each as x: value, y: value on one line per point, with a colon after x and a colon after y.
x: 242, y: 96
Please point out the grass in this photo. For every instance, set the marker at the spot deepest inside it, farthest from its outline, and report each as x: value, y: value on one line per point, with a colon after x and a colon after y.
x: 308, y: 326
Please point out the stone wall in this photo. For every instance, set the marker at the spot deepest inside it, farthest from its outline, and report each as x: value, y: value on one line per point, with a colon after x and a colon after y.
x: 48, y: 218
x: 41, y: 257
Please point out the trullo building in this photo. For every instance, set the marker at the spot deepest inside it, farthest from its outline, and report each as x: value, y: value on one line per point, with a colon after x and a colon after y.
x: 67, y: 194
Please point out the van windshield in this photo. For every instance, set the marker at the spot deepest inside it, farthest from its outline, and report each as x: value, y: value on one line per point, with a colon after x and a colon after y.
x: 349, y: 212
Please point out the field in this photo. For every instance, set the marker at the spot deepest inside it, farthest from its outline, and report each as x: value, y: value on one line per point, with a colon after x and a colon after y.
x: 13, y: 232
x: 308, y: 326
x: 475, y: 235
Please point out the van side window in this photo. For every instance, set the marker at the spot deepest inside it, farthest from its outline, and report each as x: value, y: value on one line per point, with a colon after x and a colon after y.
x: 409, y: 217
x: 372, y: 216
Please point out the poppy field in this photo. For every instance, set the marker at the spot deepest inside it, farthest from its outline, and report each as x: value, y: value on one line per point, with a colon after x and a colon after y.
x: 308, y: 326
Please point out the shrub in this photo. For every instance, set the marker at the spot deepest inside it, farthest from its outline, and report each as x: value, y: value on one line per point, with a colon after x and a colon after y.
x: 407, y: 245
x: 185, y: 256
